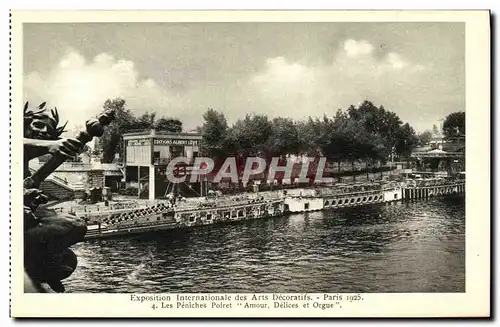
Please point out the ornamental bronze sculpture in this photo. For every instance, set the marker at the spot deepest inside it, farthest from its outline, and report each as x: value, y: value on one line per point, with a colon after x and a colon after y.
x: 49, y: 235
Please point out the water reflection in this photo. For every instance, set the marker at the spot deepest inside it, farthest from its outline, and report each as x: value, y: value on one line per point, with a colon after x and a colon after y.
x: 406, y: 247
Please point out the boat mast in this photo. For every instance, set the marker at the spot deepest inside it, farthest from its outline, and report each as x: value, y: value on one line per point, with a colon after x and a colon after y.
x: 201, y: 185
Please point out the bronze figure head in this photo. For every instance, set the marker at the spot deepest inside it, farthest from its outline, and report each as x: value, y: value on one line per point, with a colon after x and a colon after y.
x: 39, y: 124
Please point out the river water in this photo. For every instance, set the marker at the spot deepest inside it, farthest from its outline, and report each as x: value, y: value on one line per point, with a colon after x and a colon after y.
x: 403, y: 247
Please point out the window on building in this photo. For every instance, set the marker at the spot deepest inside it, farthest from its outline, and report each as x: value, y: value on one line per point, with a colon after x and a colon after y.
x: 156, y: 156
x: 176, y: 151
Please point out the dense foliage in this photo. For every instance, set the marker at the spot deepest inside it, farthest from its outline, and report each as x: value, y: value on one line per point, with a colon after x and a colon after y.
x: 367, y: 133
x: 454, y: 125
x: 364, y: 133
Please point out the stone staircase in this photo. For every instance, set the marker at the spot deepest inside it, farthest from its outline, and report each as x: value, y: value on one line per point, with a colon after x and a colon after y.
x: 59, y: 189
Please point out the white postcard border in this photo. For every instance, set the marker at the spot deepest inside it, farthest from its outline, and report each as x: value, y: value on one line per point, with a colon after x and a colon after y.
x: 476, y: 300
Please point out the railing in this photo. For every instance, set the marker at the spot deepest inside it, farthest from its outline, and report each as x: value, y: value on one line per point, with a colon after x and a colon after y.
x: 62, y: 181
x: 431, y: 183
x: 350, y: 190
x: 221, y: 204
x: 161, y: 161
x: 59, y: 179
x: 109, y: 166
x: 165, y: 161
x: 153, y: 132
x: 83, y: 166
x: 75, y: 166
x: 118, y: 207
x: 437, y: 154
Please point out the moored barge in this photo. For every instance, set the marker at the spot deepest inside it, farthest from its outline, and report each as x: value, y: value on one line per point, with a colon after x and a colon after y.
x: 186, y: 213
x: 342, y: 196
x: 166, y: 215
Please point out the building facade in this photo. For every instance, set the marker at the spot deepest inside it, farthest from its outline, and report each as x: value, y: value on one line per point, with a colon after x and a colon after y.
x: 441, y: 155
x: 147, y: 155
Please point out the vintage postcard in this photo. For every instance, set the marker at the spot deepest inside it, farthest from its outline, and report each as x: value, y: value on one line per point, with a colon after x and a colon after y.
x: 250, y: 164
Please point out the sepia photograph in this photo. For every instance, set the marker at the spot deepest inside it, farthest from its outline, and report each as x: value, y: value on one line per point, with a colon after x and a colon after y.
x: 273, y: 157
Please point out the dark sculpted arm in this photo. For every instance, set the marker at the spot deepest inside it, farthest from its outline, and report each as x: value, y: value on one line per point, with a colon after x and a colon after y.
x: 34, y: 148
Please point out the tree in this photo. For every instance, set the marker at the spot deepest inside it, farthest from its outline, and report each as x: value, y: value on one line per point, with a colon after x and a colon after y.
x: 111, y: 141
x: 454, y: 124
x: 435, y: 129
x: 145, y: 121
x: 171, y: 125
x: 251, y: 134
x: 373, y: 132
x: 215, y: 133
x: 97, y: 151
x: 424, y: 137
x: 407, y: 140
x: 334, y: 141
x: 284, y: 137
x: 308, y: 137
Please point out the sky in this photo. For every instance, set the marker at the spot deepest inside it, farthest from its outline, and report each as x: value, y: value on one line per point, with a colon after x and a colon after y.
x: 296, y: 70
